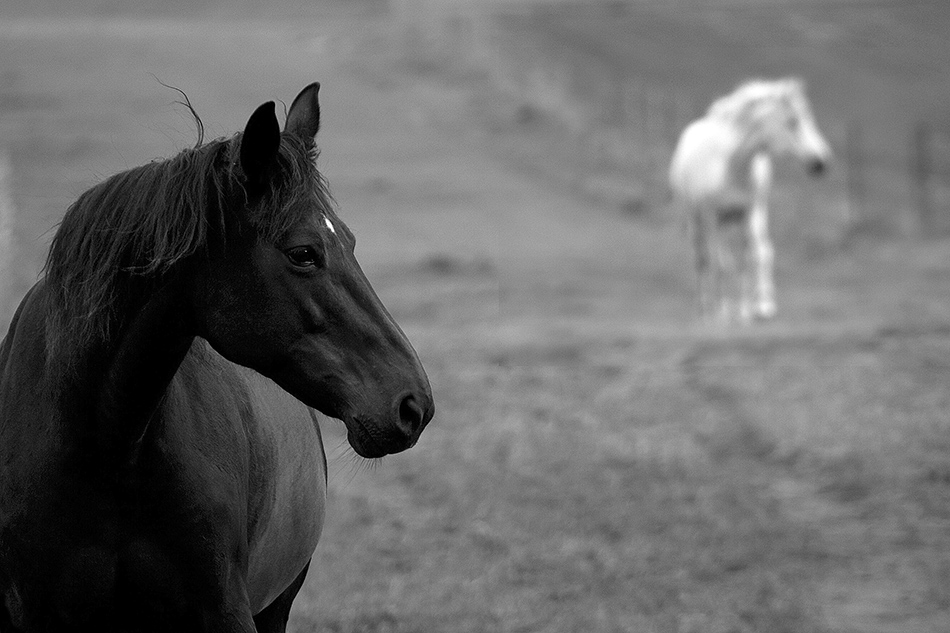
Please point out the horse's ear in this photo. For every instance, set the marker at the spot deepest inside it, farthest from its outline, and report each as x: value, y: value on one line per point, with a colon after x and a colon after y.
x: 303, y: 120
x: 260, y: 143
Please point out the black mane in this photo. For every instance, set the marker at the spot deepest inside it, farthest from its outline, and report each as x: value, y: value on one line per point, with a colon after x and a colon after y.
x: 122, y: 237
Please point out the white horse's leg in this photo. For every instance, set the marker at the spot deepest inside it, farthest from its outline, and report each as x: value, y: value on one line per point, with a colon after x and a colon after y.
x: 707, y: 291
x: 763, y: 252
x: 725, y: 282
x: 733, y: 244
x: 764, y: 256
x: 746, y: 260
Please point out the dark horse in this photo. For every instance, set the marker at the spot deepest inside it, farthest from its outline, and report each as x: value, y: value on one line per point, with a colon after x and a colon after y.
x: 153, y: 477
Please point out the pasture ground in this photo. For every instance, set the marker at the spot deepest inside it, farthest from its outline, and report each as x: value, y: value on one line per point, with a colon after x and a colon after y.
x: 598, y: 462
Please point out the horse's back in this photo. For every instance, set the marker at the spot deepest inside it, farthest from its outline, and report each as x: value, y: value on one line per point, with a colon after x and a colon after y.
x: 26, y: 429
x: 21, y: 364
x: 22, y: 348
x: 700, y: 161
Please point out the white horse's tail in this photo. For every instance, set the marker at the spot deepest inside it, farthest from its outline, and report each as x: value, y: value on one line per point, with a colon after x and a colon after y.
x: 7, y: 218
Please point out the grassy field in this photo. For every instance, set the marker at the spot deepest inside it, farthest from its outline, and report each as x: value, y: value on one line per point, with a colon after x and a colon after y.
x: 598, y: 462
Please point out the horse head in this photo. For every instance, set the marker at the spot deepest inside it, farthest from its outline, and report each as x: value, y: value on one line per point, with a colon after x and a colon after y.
x: 791, y: 127
x: 283, y: 293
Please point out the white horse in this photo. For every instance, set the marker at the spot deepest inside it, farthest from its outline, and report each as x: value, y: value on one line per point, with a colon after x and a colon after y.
x: 720, y: 175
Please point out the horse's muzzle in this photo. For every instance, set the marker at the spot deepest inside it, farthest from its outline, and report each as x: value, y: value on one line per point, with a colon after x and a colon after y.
x: 371, y: 438
x: 817, y: 167
x: 414, y: 413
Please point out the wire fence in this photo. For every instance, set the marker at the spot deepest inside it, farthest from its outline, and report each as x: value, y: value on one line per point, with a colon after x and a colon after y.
x: 929, y: 177
x: 620, y: 127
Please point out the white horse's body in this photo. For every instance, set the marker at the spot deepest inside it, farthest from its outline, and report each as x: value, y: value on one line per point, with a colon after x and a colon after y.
x: 721, y: 174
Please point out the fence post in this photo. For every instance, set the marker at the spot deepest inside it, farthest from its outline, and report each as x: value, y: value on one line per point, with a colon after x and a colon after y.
x: 920, y: 176
x: 7, y: 218
x: 669, y: 115
x: 854, y: 163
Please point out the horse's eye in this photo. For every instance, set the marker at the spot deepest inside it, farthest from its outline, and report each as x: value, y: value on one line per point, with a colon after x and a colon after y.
x: 303, y: 256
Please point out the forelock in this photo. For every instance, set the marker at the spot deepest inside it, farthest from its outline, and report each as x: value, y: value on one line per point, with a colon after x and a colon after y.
x: 296, y: 190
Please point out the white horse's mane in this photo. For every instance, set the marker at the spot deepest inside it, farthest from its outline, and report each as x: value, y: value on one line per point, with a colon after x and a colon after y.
x: 752, y: 92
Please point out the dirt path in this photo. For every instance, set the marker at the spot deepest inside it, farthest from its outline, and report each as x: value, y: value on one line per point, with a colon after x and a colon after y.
x: 865, y: 592
x: 864, y: 583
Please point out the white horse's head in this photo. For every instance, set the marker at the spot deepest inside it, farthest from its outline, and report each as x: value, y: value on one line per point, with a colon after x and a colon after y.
x: 777, y: 117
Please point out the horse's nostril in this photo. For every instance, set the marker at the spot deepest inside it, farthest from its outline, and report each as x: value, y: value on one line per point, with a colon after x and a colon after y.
x: 411, y: 414
x: 817, y: 167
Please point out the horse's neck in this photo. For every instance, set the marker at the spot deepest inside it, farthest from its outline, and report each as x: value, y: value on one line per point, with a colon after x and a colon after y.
x: 749, y: 143
x: 139, y: 368
x: 103, y: 397
x: 97, y: 407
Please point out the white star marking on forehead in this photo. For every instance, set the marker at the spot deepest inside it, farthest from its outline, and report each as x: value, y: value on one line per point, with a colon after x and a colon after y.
x: 329, y: 224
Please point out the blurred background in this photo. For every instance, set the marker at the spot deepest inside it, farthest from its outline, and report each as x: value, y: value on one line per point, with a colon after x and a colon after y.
x: 599, y: 461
